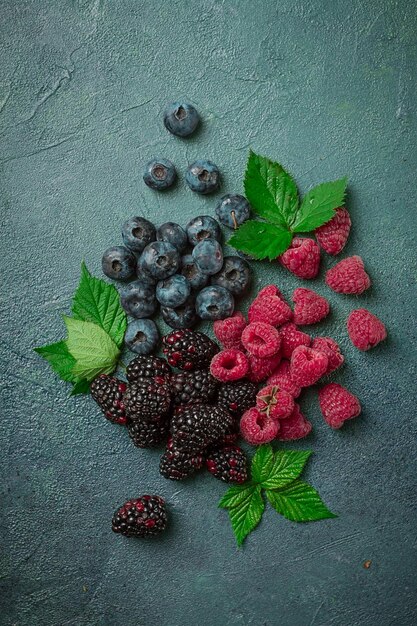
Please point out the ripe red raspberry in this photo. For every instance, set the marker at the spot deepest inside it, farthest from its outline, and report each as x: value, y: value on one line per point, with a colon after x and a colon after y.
x: 310, y: 307
x: 302, y: 258
x: 291, y: 338
x: 294, y: 427
x: 229, y: 330
x: 282, y: 378
x: 328, y: 346
x: 348, y: 276
x: 274, y: 402
x: 269, y: 308
x: 332, y: 236
x: 307, y: 366
x: 260, y: 369
x: 261, y: 339
x: 338, y: 405
x: 270, y: 290
x: 229, y: 365
x: 365, y: 329
x: 258, y: 428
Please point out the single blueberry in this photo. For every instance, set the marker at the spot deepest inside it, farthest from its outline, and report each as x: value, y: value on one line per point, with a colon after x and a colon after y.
x: 203, y: 227
x: 174, y: 234
x: 159, y: 174
x: 214, y: 303
x: 235, y: 275
x: 192, y: 272
x: 173, y: 291
x: 142, y: 336
x: 208, y: 256
x: 118, y: 263
x: 183, y: 316
x: 138, y: 299
x: 137, y: 233
x: 181, y: 118
x: 203, y: 176
x: 233, y: 210
x: 159, y: 260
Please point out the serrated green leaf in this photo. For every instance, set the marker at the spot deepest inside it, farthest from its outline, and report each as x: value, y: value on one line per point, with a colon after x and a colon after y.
x: 287, y: 466
x: 299, y: 502
x: 80, y: 387
x: 247, y: 514
x: 271, y: 191
x: 59, y: 358
x: 97, y: 301
x: 261, y: 240
x: 319, y: 204
x: 235, y: 495
x: 262, y: 463
x: 93, y: 350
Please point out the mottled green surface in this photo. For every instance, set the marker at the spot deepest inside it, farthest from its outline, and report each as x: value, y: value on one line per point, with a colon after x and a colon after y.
x: 327, y: 88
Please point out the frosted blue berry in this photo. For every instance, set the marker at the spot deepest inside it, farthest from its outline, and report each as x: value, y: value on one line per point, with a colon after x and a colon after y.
x: 174, y: 234
x: 203, y: 176
x: 192, y: 272
x: 233, y: 210
x: 183, y: 316
x: 142, y: 336
x: 208, y: 256
x: 214, y: 303
x: 159, y: 260
x: 118, y: 263
x: 137, y: 233
x: 159, y: 174
x: 173, y: 291
x: 235, y: 275
x: 181, y: 118
x: 203, y: 227
x: 138, y: 299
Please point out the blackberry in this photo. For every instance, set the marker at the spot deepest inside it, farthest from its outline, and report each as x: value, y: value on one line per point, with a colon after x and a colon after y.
x: 228, y: 464
x: 109, y: 392
x: 140, y: 517
x: 188, y: 349
x: 195, y: 387
x: 147, y: 399
x: 196, y: 426
x: 147, y: 367
x: 176, y: 464
x: 237, y: 397
x: 147, y: 435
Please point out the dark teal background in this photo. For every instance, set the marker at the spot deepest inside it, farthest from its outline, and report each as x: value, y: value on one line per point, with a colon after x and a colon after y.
x: 328, y: 89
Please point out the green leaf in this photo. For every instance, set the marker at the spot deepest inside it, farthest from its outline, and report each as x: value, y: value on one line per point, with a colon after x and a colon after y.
x: 261, y: 240
x: 60, y: 359
x: 299, y: 502
x: 82, y: 386
x: 247, y: 515
x: 93, y: 350
x: 97, y: 301
x: 262, y: 463
x: 287, y: 466
x: 271, y: 191
x: 235, y: 496
x: 319, y: 204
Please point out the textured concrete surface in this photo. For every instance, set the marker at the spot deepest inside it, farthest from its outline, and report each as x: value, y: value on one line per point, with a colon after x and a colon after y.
x: 327, y: 88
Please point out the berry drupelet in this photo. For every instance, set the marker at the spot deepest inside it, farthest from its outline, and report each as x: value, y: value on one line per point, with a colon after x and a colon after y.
x: 195, y: 387
x: 148, y: 434
x: 147, y: 367
x: 109, y: 392
x: 237, y: 397
x: 189, y: 350
x: 148, y: 399
x: 228, y: 464
x: 140, y: 517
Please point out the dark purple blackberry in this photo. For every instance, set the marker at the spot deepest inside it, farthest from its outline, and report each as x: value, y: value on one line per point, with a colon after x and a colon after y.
x: 140, y: 517
x: 237, y: 397
x: 176, y: 464
x: 188, y: 349
x: 194, y: 427
x: 197, y: 387
x: 147, y: 399
x: 109, y: 392
x: 228, y: 464
x: 148, y: 434
x: 147, y: 367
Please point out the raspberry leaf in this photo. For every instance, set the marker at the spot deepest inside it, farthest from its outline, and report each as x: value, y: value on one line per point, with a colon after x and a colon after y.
x: 97, y: 301
x: 235, y: 496
x: 247, y: 514
x: 81, y: 386
x: 318, y: 205
x: 92, y: 348
x: 262, y: 463
x: 299, y: 502
x: 60, y: 359
x: 261, y: 240
x: 286, y: 467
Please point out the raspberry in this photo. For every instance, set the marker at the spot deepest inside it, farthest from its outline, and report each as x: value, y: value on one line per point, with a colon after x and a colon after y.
x: 365, y: 329
x: 194, y: 427
x: 291, y: 338
x: 177, y: 464
x: 294, y: 427
x: 237, y: 397
x: 196, y: 387
x: 260, y: 369
x: 269, y: 308
x: 302, y: 258
x: 229, y: 365
x: 274, y: 402
x: 332, y: 236
x: 338, y: 405
x: 148, y: 434
x: 270, y: 290
x: 261, y: 339
x: 109, y: 392
x: 257, y: 428
x: 282, y: 378
x: 307, y: 366
x: 189, y: 350
x: 310, y: 307
x: 148, y: 399
x: 140, y: 517
x: 228, y: 464
x: 229, y: 330
x: 147, y: 367
x: 348, y: 276
x: 328, y: 346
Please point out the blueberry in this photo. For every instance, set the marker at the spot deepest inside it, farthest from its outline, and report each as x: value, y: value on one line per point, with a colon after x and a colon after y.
x: 173, y: 291
x: 174, y: 234
x: 235, y: 275
x: 137, y: 233
x: 192, y: 272
x: 181, y: 118
x: 203, y: 176
x: 142, y: 336
x: 118, y: 263
x: 203, y: 227
x: 159, y: 260
x: 208, y: 256
x: 183, y: 316
x: 233, y: 210
x: 214, y: 303
x: 159, y: 174
x: 138, y: 299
